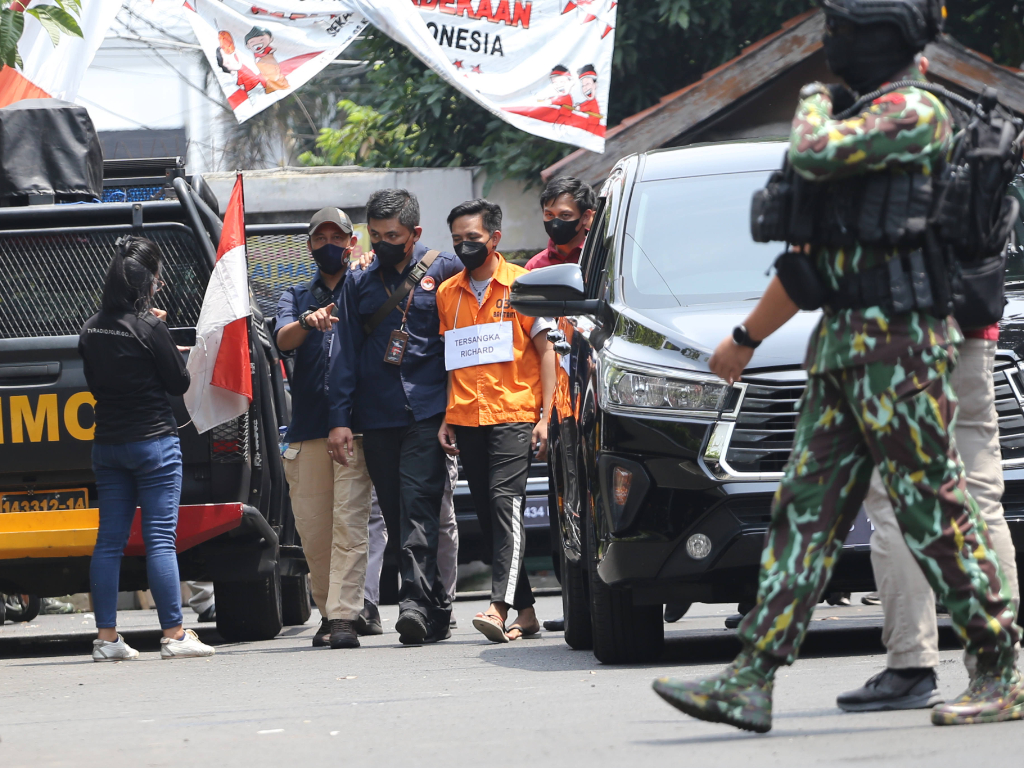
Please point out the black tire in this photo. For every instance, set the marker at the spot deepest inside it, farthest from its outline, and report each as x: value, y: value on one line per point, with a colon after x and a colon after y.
x: 3, y: 610
x: 295, y: 600
x: 622, y: 633
x: 576, y: 607
x: 249, y: 610
x: 389, y: 585
x: 27, y: 607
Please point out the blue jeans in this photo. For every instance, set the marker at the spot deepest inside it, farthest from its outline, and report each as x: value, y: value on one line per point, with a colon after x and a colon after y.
x: 144, y: 474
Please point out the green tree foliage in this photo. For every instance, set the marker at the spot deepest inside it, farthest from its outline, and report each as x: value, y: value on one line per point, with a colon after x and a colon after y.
x: 56, y: 19
x: 415, y: 119
x: 993, y: 27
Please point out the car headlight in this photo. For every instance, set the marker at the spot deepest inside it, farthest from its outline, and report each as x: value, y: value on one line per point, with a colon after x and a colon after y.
x: 632, y: 389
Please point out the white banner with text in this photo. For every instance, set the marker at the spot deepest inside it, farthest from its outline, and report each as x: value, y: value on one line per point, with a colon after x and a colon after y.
x: 541, y: 65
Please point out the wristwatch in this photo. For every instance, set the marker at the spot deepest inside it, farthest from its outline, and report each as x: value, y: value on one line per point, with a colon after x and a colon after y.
x: 742, y: 337
x: 302, y: 320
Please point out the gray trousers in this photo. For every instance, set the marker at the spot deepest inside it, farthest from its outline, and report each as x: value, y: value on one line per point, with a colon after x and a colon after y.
x: 447, y: 544
x: 909, y: 630
x: 202, y: 595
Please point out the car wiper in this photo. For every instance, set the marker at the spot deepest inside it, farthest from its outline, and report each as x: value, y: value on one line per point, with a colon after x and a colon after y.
x: 656, y: 271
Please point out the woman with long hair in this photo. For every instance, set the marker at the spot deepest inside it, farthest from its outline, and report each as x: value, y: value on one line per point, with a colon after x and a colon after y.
x: 132, y: 365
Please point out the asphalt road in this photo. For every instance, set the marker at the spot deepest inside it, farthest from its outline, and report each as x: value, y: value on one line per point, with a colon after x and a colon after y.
x: 463, y: 702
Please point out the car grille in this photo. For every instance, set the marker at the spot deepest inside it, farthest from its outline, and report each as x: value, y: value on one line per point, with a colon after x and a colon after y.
x: 765, y: 426
x: 764, y: 430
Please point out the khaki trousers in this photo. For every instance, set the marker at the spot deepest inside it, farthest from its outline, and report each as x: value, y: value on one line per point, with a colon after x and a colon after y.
x: 331, y: 504
x: 909, y: 631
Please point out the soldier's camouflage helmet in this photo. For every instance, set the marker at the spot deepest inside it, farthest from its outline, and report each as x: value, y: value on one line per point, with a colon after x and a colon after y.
x: 920, y: 21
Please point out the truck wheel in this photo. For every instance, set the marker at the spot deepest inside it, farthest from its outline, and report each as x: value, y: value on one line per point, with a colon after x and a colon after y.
x: 23, y: 607
x: 295, y: 600
x: 575, y: 606
x: 622, y: 633
x: 389, y: 585
x: 249, y: 610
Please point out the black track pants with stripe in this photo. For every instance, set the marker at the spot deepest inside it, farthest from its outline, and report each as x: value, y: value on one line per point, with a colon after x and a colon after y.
x: 496, y: 459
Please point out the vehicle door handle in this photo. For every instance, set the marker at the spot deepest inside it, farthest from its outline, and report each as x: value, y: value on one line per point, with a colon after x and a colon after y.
x: 16, y: 374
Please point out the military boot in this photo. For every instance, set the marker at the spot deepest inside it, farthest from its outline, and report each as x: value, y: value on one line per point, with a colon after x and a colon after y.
x: 741, y: 695
x: 996, y: 693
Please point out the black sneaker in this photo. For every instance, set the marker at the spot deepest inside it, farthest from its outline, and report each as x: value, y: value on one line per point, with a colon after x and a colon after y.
x: 343, y: 634
x: 322, y: 637
x: 210, y: 614
x: 555, y: 625
x: 675, y: 611
x: 412, y: 628
x: 368, y: 620
x: 894, y: 689
x: 732, y: 622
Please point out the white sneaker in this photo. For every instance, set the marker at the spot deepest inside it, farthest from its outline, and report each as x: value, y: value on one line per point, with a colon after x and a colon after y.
x: 119, y: 650
x: 190, y: 645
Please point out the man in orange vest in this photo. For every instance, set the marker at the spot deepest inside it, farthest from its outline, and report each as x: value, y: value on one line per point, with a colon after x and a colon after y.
x: 501, y: 370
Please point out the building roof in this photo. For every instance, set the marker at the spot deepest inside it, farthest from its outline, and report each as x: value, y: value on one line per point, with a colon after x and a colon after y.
x: 755, y: 69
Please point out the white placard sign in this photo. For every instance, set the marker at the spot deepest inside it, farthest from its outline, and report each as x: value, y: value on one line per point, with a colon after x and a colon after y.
x: 478, y: 345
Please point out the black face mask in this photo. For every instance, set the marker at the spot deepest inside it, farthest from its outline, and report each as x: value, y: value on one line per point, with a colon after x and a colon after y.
x: 472, y: 254
x: 561, y: 231
x: 330, y: 258
x: 867, y: 55
x: 390, y: 254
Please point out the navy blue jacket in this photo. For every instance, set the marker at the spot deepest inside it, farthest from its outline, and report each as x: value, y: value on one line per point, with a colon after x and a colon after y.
x: 309, y: 375
x: 366, y: 392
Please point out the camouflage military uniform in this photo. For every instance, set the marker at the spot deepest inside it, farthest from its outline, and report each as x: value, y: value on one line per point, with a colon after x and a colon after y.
x: 878, y: 393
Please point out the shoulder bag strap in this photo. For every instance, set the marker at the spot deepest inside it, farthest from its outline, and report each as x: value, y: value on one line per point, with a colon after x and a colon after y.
x: 417, y: 273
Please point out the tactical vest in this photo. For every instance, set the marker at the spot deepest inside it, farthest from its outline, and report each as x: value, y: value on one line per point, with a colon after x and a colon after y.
x: 947, y: 232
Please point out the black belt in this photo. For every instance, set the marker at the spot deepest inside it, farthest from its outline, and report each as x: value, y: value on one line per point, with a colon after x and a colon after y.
x: 899, y: 285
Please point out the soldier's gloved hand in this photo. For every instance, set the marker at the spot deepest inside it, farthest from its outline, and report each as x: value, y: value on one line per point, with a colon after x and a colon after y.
x: 842, y: 97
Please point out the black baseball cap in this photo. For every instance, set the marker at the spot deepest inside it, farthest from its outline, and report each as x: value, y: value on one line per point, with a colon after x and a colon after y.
x: 333, y: 215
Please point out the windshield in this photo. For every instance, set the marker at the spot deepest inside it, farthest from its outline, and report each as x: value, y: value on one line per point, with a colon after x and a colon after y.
x: 688, y: 242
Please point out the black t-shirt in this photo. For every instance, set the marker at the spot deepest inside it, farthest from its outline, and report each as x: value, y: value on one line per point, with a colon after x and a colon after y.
x: 131, y: 366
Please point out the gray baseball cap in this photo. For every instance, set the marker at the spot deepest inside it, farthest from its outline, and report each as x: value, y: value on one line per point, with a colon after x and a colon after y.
x: 333, y: 215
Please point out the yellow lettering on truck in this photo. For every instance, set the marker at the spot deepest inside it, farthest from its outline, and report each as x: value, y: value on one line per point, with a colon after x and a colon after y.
x: 44, y: 415
x: 71, y: 422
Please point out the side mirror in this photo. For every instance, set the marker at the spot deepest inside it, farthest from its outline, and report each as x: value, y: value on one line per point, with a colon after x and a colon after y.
x: 554, y: 291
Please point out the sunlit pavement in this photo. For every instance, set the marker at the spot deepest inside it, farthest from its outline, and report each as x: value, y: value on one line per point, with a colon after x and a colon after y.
x: 463, y: 702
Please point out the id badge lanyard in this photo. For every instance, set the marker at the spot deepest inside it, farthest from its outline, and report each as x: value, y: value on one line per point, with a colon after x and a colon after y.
x: 399, y: 339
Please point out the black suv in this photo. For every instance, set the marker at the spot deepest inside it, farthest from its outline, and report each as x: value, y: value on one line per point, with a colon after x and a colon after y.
x: 662, y: 475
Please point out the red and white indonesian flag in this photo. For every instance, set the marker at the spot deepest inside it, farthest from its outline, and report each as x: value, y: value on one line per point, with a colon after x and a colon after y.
x: 56, y: 72
x: 541, y: 65
x: 219, y: 364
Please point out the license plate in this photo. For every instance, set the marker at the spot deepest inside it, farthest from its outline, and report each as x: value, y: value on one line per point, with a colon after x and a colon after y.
x: 535, y: 515
x: 45, y: 501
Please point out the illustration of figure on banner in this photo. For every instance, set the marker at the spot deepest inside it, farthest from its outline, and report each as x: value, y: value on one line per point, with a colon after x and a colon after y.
x: 247, y: 79
x: 562, y: 108
x: 561, y: 81
x: 258, y: 41
x: 589, y: 107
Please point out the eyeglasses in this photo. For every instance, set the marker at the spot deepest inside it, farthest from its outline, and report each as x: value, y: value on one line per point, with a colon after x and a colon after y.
x: 159, y: 285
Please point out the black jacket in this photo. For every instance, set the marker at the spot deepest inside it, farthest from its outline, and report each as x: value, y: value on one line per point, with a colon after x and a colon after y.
x: 131, y: 366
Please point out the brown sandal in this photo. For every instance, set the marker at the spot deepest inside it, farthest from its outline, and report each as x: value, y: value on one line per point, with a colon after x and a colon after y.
x: 491, y: 627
